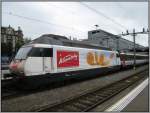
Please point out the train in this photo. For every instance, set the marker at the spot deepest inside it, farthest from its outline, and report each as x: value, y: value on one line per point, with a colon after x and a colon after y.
x: 51, y: 63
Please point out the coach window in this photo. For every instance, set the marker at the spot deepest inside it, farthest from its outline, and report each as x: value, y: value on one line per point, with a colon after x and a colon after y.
x: 139, y: 57
x: 132, y: 57
x: 129, y: 57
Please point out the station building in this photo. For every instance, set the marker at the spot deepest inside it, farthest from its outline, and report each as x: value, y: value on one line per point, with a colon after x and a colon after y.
x: 109, y: 40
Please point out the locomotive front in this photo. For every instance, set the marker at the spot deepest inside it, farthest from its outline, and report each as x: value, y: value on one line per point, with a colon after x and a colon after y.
x: 34, y: 59
x: 16, y: 66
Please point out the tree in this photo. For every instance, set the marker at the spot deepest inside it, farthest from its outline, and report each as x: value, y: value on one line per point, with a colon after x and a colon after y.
x: 18, y: 45
x: 6, y: 49
x: 27, y: 40
x: 21, y: 43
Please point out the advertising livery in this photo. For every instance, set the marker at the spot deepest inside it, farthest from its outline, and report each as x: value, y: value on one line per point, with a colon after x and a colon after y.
x: 100, y: 58
x: 54, y: 62
x: 67, y: 58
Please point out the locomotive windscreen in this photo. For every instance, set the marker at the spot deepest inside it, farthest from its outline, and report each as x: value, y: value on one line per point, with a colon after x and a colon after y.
x: 22, y: 53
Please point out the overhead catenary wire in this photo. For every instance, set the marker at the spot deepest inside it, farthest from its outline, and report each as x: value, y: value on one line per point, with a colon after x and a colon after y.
x: 38, y: 20
x: 75, y: 13
x: 104, y: 15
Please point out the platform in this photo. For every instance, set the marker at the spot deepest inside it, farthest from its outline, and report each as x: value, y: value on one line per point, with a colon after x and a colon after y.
x: 140, y: 103
x: 136, y: 100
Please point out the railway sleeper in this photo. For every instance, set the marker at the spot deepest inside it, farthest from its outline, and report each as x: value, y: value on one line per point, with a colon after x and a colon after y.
x: 70, y: 108
x: 106, y: 93
x: 118, y: 86
x: 79, y: 105
x: 109, y: 90
x: 92, y: 95
x: 86, y: 102
x: 102, y: 95
x: 95, y: 95
x: 93, y: 100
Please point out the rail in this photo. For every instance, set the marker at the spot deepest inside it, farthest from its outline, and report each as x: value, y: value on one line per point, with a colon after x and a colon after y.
x: 89, y: 100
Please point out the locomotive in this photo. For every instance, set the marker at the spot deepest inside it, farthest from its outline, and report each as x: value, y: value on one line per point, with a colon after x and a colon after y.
x: 50, y: 63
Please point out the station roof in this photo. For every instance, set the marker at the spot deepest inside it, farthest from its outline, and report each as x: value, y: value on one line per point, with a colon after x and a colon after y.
x: 64, y: 41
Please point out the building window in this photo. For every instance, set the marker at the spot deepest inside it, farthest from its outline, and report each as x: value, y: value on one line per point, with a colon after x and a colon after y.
x: 100, y: 42
x: 4, y: 39
x: 93, y: 32
x: 16, y: 33
x: 3, y: 30
x: 9, y: 38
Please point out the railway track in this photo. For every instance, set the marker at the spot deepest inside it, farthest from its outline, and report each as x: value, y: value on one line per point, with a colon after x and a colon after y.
x: 8, y: 88
x: 90, y: 99
x: 8, y: 93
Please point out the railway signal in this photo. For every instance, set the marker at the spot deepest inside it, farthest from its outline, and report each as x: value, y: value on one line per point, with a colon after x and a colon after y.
x: 135, y: 34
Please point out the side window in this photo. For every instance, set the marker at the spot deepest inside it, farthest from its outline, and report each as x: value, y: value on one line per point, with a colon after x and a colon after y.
x: 47, y: 52
x: 36, y: 52
x: 41, y: 52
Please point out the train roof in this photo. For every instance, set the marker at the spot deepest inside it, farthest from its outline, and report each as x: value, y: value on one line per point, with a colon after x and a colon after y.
x: 60, y: 46
x: 52, y: 39
x: 136, y: 54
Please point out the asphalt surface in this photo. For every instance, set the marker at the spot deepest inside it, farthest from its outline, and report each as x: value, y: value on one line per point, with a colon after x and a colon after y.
x: 140, y: 103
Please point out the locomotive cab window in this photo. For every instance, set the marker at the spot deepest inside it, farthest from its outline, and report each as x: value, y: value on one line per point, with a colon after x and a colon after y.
x: 22, y: 53
x: 41, y: 52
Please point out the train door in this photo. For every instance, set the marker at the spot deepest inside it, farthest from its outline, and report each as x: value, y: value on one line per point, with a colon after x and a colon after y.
x: 118, y: 58
x: 123, y: 60
x: 47, y: 59
x: 34, y: 63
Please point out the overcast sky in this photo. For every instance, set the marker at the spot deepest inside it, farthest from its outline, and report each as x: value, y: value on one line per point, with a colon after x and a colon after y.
x: 75, y: 19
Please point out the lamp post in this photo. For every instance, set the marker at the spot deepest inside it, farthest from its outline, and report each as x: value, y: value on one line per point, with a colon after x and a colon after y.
x: 117, y: 43
x: 134, y: 48
x: 96, y: 26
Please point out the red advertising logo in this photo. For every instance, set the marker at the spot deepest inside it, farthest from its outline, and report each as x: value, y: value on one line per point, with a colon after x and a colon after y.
x: 67, y: 58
